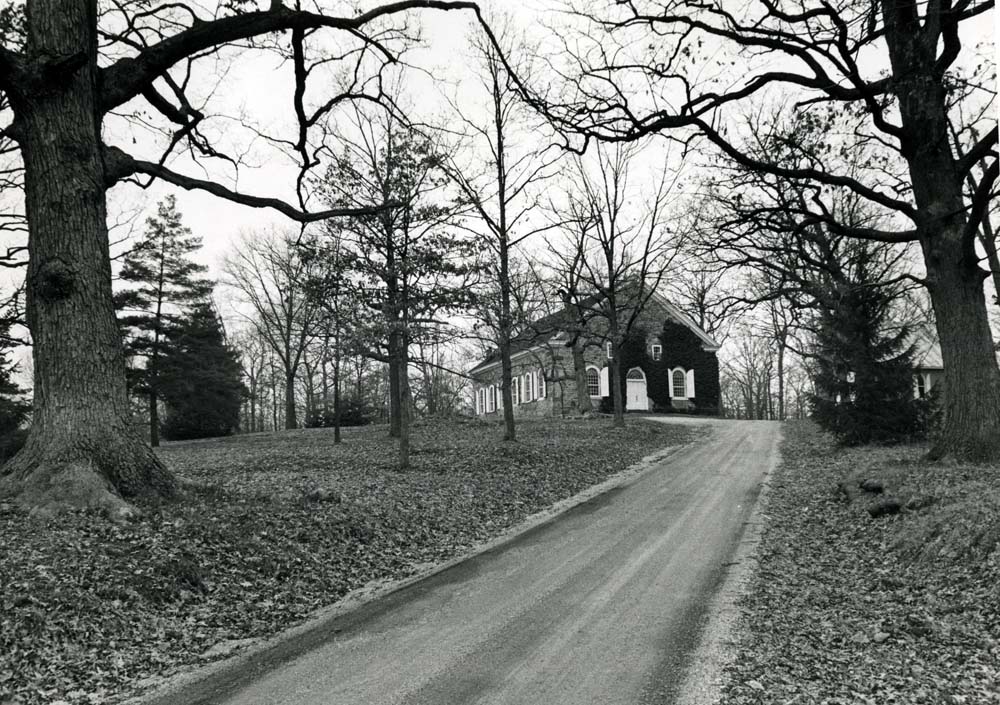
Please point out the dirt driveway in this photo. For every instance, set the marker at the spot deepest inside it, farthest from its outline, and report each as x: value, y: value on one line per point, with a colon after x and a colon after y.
x: 603, y: 605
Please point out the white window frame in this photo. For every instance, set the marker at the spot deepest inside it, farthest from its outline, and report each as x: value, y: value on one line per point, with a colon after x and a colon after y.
x: 541, y: 384
x: 492, y: 399
x: 673, y: 383
x: 597, y: 374
x: 921, y: 386
x: 515, y: 390
x: 609, y: 350
x: 656, y: 352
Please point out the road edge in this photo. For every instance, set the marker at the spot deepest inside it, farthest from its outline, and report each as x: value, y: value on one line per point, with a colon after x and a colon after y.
x: 717, y: 646
x: 176, y: 689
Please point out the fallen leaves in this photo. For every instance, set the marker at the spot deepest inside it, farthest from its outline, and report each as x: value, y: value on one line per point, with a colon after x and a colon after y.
x: 274, y: 526
x: 845, y: 608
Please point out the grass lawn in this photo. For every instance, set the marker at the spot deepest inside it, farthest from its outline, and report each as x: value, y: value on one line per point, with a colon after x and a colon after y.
x: 91, y: 611
x: 846, y: 608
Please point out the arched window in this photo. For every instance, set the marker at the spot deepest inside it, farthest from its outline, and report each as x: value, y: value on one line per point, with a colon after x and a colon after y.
x: 593, y: 382
x: 635, y: 373
x: 679, y: 386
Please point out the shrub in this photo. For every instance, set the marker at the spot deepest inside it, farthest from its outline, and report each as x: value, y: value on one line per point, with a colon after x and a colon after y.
x: 353, y: 412
x: 11, y: 442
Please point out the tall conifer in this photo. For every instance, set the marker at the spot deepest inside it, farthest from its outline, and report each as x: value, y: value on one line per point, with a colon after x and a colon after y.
x: 863, y: 367
x: 200, y: 378
x: 166, y: 282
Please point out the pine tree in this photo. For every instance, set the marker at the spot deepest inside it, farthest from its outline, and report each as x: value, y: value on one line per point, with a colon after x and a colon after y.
x: 864, y: 369
x: 200, y: 378
x: 14, y: 407
x: 166, y: 283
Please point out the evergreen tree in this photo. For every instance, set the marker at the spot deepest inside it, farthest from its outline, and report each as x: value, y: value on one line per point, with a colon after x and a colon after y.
x: 166, y: 283
x: 863, y: 369
x: 200, y: 378
x: 14, y: 408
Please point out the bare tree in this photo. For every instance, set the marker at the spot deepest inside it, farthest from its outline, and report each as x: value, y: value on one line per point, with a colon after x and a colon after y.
x: 270, y: 276
x: 504, y: 192
x: 63, y: 71
x: 253, y: 357
x: 819, y: 55
x: 409, y: 265
x: 748, y: 371
x: 621, y: 251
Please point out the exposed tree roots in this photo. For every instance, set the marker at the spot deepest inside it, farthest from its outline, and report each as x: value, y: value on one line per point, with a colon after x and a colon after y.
x: 101, y: 475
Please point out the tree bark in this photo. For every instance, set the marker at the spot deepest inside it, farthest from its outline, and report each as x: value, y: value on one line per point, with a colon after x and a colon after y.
x: 971, y: 377
x: 955, y: 279
x: 82, y: 451
x: 290, y: 416
x: 617, y: 395
x: 395, y: 407
x: 404, y: 406
x: 154, y: 419
x: 336, y: 386
x: 781, y: 377
x: 583, y: 402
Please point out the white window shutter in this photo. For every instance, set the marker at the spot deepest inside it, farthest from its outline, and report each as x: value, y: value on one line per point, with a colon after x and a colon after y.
x: 541, y: 384
x: 605, y: 388
x: 690, y: 384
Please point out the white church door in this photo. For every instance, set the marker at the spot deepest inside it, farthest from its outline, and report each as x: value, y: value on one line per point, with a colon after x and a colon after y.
x: 635, y: 385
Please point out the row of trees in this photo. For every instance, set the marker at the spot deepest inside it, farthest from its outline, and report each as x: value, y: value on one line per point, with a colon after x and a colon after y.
x: 619, y: 74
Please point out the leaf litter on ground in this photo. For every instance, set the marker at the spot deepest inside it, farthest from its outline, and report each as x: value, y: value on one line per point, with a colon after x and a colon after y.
x: 273, y: 527
x: 845, y: 608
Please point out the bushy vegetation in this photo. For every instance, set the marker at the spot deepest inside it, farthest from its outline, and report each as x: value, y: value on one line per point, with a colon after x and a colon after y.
x: 353, y: 412
x: 14, y: 411
x: 14, y: 407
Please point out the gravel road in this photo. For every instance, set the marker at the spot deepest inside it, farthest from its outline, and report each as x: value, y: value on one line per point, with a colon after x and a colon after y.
x: 604, y: 605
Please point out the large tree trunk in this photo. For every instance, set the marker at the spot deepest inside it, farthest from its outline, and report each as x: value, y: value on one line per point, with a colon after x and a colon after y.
x: 955, y: 280
x: 82, y: 451
x: 971, y: 377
